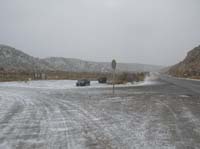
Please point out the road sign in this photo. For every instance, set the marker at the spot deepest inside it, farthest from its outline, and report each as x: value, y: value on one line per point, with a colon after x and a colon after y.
x: 113, y: 64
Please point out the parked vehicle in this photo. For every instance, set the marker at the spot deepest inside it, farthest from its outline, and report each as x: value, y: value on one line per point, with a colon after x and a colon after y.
x: 83, y: 82
x: 102, y: 80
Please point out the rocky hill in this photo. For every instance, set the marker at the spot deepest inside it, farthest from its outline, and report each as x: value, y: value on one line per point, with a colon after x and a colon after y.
x: 189, y: 67
x: 12, y: 59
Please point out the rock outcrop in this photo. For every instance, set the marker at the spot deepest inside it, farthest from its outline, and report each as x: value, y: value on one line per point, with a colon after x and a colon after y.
x: 189, y: 67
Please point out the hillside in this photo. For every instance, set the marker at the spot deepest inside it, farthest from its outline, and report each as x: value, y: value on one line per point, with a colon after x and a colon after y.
x: 12, y: 59
x: 67, y: 64
x: 189, y: 67
x: 76, y: 65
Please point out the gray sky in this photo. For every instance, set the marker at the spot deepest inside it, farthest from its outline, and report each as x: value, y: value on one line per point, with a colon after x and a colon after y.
x: 144, y: 31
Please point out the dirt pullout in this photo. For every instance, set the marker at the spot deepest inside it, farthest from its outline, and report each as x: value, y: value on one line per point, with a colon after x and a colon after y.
x: 153, y: 116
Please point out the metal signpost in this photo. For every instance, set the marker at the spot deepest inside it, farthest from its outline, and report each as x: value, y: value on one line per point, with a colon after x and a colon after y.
x: 113, y: 64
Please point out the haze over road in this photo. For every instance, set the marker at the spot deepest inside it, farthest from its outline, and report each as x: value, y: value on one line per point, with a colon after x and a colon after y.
x: 152, y: 115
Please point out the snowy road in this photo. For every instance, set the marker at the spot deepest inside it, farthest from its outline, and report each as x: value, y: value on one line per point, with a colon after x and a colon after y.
x: 55, y: 115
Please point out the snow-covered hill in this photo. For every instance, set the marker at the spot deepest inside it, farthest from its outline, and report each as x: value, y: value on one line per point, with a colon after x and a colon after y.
x: 13, y: 59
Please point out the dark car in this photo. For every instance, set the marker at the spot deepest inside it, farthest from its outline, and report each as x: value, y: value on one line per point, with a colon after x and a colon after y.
x: 102, y: 80
x: 83, y: 82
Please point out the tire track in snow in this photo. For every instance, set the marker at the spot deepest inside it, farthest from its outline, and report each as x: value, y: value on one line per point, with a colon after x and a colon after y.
x: 91, y: 124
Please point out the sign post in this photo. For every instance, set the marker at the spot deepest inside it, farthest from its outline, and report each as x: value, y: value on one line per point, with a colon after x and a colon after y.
x: 113, y: 64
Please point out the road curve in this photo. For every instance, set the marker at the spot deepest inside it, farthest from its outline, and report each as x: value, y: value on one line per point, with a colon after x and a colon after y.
x: 192, y: 85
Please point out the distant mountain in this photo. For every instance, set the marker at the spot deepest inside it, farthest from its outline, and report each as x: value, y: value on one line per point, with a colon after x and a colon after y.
x: 189, y: 67
x: 76, y: 65
x: 67, y: 64
x: 16, y: 60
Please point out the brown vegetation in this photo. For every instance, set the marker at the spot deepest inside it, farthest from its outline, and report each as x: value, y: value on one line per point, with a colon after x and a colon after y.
x: 126, y: 77
x: 60, y: 75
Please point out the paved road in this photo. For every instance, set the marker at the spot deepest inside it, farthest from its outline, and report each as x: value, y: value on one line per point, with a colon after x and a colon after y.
x: 192, y: 85
x: 161, y: 116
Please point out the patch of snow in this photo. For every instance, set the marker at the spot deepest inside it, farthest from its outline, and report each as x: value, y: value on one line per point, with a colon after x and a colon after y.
x: 183, y: 96
x: 150, y: 80
x: 70, y: 84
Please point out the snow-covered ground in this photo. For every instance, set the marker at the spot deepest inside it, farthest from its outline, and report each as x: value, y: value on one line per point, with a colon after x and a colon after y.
x: 147, y: 115
x: 70, y: 84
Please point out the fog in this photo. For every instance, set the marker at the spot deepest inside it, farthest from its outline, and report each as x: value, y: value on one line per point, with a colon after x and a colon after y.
x: 147, y: 31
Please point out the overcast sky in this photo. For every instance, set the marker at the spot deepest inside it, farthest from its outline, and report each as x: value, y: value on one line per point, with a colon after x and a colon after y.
x: 144, y: 31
